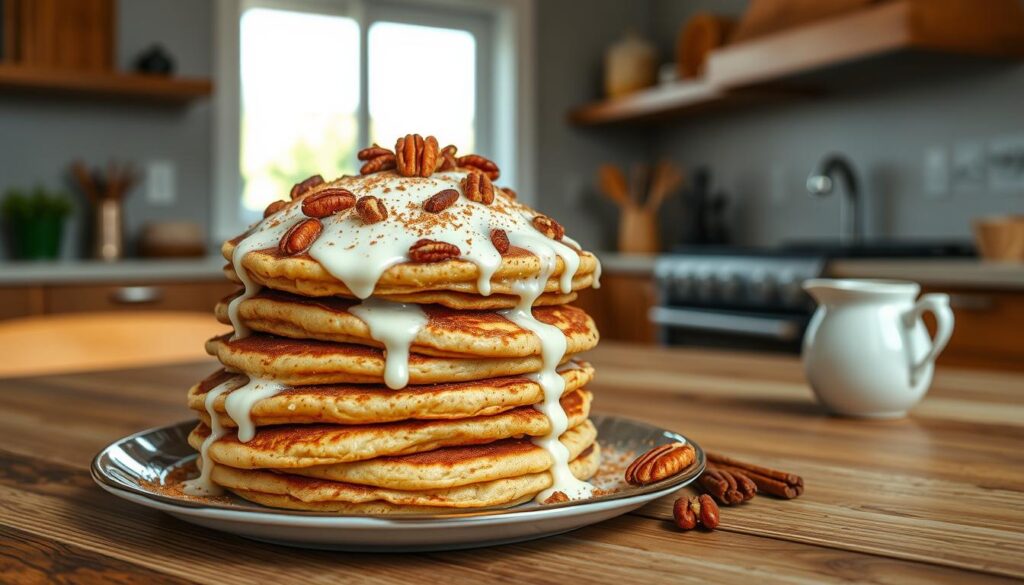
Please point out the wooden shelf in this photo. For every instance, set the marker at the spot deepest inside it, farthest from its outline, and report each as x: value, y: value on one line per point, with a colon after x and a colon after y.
x: 801, y: 59
x: 112, y: 85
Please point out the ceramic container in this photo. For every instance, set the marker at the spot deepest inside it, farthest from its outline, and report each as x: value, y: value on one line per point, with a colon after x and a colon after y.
x: 867, y: 352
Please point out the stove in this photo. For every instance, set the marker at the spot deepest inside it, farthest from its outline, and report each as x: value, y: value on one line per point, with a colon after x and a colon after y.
x: 753, y: 299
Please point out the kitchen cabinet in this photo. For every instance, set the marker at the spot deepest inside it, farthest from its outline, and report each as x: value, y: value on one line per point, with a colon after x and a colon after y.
x: 989, y: 329
x: 621, y: 306
x: 23, y: 301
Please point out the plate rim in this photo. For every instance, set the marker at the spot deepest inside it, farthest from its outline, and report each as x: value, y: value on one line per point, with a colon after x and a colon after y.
x: 135, y: 493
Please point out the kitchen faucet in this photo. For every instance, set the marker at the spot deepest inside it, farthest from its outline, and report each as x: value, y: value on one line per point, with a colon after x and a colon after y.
x: 821, y: 183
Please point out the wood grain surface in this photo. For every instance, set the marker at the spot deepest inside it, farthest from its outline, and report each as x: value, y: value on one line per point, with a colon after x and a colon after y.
x: 937, y: 497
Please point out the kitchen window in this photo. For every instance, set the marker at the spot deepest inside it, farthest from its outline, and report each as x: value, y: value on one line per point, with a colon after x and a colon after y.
x: 303, y: 84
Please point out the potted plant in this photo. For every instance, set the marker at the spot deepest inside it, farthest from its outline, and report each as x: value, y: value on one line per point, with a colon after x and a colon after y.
x: 35, y: 222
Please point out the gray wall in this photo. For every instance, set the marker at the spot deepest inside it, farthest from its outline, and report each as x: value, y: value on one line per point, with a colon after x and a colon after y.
x: 570, y: 48
x: 763, y: 155
x: 40, y: 136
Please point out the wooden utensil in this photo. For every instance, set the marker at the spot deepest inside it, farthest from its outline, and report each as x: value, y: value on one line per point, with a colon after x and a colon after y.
x: 638, y: 225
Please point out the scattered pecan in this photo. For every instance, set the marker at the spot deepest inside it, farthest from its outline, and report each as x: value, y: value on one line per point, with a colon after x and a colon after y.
x: 695, y: 511
x: 548, y: 227
x: 556, y: 498
x: 433, y: 251
x: 274, y: 207
x: 302, y: 235
x: 299, y: 189
x: 416, y: 156
x: 479, y: 163
x: 376, y: 158
x: 446, y: 159
x: 659, y: 463
x: 441, y: 200
x: 477, y: 187
x: 511, y: 194
x: 328, y: 202
x: 500, y: 240
x: 371, y: 209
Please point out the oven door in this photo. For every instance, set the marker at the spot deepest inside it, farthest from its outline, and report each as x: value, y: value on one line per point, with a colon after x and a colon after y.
x: 748, y: 330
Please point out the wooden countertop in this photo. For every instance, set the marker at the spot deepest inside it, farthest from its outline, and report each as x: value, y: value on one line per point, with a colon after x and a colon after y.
x: 938, y: 497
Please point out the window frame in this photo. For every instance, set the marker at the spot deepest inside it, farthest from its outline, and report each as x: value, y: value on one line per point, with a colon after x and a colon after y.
x: 505, y: 100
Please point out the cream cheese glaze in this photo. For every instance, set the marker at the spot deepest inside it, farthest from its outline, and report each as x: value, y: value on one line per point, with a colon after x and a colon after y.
x: 357, y: 254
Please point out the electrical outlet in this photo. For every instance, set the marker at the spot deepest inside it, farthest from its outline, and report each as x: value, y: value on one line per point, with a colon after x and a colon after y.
x: 968, y: 170
x: 1006, y: 164
x: 161, y: 182
x: 778, y: 185
x: 936, y: 172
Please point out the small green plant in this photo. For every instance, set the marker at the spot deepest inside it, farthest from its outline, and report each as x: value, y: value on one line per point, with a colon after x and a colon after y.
x: 19, y: 205
x: 35, y: 220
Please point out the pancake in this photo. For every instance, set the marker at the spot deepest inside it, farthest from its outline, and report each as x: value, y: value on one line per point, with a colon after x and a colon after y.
x: 291, y: 446
x: 454, y: 466
x: 306, y: 493
x: 345, y: 508
x: 304, y: 362
x: 447, y: 332
x: 468, y: 301
x: 365, y: 404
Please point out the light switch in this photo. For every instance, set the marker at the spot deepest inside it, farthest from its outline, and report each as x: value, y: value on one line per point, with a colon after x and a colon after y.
x: 936, y: 172
x: 161, y: 182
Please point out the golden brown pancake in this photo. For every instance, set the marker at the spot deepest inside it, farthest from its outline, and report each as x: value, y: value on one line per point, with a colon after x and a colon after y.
x: 291, y: 446
x: 306, y: 493
x: 454, y: 466
x: 451, y: 299
x: 447, y: 333
x: 304, y: 362
x: 375, y: 403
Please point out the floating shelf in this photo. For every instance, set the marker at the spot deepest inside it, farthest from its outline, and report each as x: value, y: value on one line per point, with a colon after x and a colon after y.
x: 899, y: 36
x: 106, y: 85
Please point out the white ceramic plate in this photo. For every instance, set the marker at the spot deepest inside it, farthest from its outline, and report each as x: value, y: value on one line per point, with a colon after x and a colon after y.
x: 134, y: 467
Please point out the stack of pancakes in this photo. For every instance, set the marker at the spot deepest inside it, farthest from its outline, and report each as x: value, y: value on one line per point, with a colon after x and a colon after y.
x: 410, y: 356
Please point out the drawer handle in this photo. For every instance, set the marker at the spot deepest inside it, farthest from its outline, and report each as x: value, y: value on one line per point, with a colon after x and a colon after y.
x: 136, y: 295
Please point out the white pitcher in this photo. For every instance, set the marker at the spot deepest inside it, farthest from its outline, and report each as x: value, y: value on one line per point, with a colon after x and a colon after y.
x: 866, y: 351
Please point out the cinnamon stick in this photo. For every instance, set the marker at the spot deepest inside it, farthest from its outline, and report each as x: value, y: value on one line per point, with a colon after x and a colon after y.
x: 770, y: 481
x: 727, y: 486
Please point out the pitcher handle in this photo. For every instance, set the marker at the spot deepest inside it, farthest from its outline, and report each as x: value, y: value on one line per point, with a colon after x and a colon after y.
x: 938, y: 304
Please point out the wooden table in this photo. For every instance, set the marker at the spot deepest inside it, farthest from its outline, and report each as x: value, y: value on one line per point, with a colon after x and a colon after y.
x: 936, y: 497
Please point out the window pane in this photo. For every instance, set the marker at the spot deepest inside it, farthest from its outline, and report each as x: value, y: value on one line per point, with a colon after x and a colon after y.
x: 291, y: 130
x: 422, y: 79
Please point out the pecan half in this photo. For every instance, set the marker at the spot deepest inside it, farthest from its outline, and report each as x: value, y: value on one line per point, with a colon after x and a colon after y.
x: 441, y: 200
x: 433, y: 251
x: 371, y: 209
x: 556, y: 498
x: 328, y: 202
x: 548, y: 227
x: 695, y: 511
x: 477, y: 162
x: 299, y: 189
x: 377, y: 158
x: 302, y: 235
x: 659, y: 463
x: 511, y: 194
x: 416, y: 156
x: 500, y: 240
x: 477, y: 187
x: 274, y: 207
x: 446, y: 159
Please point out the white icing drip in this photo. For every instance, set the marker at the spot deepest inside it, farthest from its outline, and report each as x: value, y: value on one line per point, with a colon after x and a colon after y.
x: 553, y: 347
x: 239, y: 407
x: 202, y: 486
x: 396, y: 326
x: 239, y: 404
x: 266, y: 234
